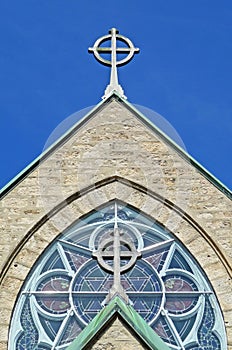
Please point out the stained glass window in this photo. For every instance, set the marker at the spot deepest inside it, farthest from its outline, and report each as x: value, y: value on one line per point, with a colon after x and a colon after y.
x: 68, y: 286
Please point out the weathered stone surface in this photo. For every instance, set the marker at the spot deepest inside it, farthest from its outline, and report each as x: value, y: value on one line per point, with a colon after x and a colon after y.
x: 114, y: 143
x: 117, y: 336
x: 3, y: 345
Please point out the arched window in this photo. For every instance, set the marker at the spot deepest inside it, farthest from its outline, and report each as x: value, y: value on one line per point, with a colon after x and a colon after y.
x: 70, y: 284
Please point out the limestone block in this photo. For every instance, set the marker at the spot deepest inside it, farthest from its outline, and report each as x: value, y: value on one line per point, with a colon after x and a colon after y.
x: 115, y: 142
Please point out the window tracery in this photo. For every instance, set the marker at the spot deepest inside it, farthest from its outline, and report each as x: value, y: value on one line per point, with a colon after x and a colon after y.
x: 68, y: 287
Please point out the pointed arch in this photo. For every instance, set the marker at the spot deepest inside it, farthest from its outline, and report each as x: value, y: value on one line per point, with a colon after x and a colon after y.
x: 74, y: 207
x: 130, y: 185
x: 69, y: 274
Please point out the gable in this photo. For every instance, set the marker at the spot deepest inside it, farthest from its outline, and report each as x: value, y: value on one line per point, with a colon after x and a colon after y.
x: 113, y: 141
x: 129, y: 110
x: 112, y: 154
x: 118, y: 336
x: 118, y: 325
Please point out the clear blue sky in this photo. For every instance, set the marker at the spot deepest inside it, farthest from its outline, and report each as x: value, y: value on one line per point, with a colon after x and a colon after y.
x: 183, y: 71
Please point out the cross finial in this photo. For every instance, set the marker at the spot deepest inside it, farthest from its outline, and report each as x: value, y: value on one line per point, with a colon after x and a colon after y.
x: 113, y: 50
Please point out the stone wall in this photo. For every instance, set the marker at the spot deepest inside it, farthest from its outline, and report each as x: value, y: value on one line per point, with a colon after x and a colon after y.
x: 117, y: 336
x: 114, y: 155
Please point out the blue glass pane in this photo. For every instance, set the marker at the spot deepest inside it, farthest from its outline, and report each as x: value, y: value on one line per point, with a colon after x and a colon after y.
x: 88, y: 306
x: 179, y: 262
x: 54, y: 262
x: 206, y: 338
x: 52, y: 326
x: 151, y: 238
x: 143, y: 278
x: 147, y: 307
x: 91, y: 278
x: 184, y: 326
x: 29, y: 337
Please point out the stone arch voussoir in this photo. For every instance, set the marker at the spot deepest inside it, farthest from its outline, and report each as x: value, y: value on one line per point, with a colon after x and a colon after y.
x: 182, y: 225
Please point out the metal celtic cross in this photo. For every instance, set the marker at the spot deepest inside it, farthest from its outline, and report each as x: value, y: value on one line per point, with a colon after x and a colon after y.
x: 113, y: 50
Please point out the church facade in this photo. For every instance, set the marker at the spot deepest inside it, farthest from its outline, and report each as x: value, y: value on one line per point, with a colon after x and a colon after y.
x: 115, y: 238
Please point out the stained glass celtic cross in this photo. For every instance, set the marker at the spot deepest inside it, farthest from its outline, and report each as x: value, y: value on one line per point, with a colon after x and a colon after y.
x: 98, y: 50
x: 116, y: 245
